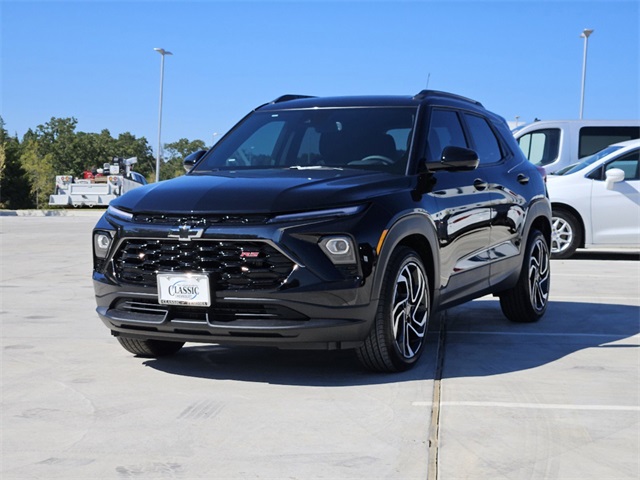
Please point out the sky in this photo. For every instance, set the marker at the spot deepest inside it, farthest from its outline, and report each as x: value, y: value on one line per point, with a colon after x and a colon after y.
x: 95, y: 60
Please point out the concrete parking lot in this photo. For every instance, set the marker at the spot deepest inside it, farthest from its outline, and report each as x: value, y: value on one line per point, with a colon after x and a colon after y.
x: 489, y: 400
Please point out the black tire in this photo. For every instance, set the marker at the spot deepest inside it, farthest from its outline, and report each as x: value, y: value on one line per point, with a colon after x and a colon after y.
x: 149, y: 348
x: 566, y: 234
x: 394, y: 346
x: 527, y: 301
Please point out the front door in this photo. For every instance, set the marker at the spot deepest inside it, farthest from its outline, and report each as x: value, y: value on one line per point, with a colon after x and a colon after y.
x: 464, y: 215
x: 615, y: 213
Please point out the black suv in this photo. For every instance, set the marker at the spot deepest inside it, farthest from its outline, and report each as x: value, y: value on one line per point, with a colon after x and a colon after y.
x: 329, y: 223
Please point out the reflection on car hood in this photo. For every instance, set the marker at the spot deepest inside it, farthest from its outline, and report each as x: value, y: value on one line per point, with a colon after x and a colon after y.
x: 260, y: 191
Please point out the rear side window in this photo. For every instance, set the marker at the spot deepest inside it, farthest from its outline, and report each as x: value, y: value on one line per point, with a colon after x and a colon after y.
x: 541, y: 147
x: 445, y: 130
x: 484, y: 140
x: 594, y: 139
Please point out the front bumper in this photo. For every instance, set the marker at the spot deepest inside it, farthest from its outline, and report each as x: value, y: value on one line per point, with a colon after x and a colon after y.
x: 271, y: 283
x: 326, y: 319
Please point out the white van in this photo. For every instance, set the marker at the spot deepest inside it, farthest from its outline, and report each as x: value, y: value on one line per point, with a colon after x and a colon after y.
x: 555, y: 144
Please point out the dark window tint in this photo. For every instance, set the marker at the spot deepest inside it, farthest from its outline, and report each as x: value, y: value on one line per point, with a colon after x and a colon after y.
x: 444, y: 130
x: 594, y: 139
x: 541, y: 147
x: 373, y: 138
x: 484, y: 140
x: 259, y: 148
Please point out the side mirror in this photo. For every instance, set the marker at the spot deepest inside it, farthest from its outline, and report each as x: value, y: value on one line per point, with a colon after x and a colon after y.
x: 455, y: 159
x: 191, y: 159
x: 615, y: 175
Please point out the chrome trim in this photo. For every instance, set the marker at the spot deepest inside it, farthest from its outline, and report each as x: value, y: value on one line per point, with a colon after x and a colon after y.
x: 247, y: 299
x: 185, y: 233
x: 120, y: 316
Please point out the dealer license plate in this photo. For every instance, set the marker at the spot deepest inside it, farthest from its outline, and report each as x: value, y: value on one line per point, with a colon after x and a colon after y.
x: 184, y: 289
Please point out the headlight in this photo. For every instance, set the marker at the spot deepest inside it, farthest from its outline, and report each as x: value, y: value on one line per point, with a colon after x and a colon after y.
x: 317, y: 214
x: 102, y: 243
x: 339, y: 249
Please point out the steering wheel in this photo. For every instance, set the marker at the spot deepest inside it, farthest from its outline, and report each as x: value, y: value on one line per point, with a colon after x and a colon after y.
x: 373, y: 160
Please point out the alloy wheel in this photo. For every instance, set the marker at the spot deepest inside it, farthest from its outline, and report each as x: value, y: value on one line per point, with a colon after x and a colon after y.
x: 561, y: 235
x: 539, y: 273
x: 410, y: 310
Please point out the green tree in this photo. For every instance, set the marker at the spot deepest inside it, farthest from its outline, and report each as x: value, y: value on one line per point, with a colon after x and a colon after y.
x: 73, y: 152
x: 175, y: 153
x: 58, y: 139
x: 14, y: 184
x: 28, y: 168
x: 95, y: 148
x: 40, y: 172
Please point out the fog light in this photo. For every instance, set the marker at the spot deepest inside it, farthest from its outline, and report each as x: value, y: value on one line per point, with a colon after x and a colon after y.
x: 338, y: 246
x: 101, y: 244
x: 340, y: 250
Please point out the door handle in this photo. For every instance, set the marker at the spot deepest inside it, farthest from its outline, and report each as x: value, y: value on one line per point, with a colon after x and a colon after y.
x: 480, y: 184
x: 523, y: 179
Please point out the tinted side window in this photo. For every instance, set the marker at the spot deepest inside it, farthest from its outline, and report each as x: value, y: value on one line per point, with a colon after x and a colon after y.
x: 484, y: 140
x: 629, y: 164
x: 594, y: 139
x: 445, y: 130
x: 542, y: 146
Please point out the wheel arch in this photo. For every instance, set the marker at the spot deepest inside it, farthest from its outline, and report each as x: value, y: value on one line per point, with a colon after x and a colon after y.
x: 568, y: 208
x: 538, y: 218
x: 417, y: 232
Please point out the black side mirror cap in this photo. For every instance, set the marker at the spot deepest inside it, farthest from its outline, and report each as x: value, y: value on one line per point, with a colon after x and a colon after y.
x: 191, y: 159
x: 456, y: 159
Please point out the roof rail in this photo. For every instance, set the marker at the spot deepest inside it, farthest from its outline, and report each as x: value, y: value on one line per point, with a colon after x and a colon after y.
x: 287, y: 97
x: 427, y: 93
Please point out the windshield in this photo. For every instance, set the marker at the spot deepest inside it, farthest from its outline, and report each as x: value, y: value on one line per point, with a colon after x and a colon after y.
x: 589, y: 160
x: 361, y: 137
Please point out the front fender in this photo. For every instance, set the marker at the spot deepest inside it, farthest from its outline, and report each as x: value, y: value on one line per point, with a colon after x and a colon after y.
x: 418, y: 231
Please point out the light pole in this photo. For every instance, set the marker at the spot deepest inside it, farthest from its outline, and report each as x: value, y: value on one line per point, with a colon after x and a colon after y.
x: 585, y: 34
x: 162, y: 52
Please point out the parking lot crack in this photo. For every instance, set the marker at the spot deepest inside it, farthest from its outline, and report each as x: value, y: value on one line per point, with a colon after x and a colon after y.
x: 434, y: 431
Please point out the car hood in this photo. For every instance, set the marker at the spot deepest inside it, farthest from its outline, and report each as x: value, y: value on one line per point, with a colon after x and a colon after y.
x: 261, y: 191
x: 572, y: 178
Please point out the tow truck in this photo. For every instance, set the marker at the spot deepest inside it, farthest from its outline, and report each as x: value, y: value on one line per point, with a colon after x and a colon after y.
x: 108, y: 184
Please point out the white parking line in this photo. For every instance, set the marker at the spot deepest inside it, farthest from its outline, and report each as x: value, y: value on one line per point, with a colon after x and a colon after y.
x: 538, y: 406
x: 541, y: 334
x: 622, y: 300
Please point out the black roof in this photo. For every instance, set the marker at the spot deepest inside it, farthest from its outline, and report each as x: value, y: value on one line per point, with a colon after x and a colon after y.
x: 305, y: 101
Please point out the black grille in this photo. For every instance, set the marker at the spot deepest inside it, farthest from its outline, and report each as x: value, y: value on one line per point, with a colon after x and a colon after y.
x: 200, y: 220
x: 231, y: 265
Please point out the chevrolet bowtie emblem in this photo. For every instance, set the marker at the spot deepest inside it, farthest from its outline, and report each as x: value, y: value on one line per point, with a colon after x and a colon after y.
x: 185, y: 233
